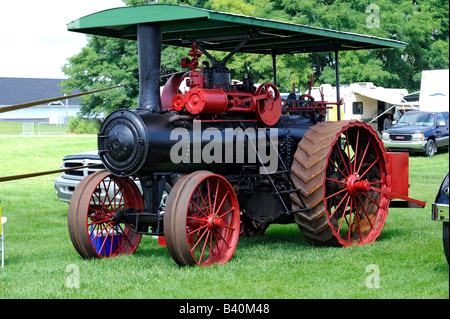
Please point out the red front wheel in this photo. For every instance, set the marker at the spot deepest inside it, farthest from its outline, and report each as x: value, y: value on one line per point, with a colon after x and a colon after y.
x: 201, y: 220
x: 92, y: 231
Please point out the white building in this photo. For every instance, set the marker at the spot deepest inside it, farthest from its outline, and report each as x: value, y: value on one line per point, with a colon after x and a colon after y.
x: 21, y: 90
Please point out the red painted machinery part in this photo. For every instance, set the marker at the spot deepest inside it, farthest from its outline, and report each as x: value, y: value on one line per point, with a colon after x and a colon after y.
x: 211, y: 101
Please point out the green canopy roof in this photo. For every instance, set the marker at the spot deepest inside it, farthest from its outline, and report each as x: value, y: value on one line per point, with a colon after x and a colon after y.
x: 224, y: 31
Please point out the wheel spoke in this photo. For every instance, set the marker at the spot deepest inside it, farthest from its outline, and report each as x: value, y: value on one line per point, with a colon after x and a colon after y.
x: 369, y: 168
x: 101, y: 202
x: 342, y: 159
x: 215, y: 196
x: 227, y: 212
x: 111, y: 235
x: 196, y: 218
x: 216, y: 244
x: 371, y: 199
x: 115, y: 197
x: 124, y: 235
x: 203, y: 200
x: 197, y: 229
x: 335, y: 180
x: 125, y: 204
x: 221, y: 203
x: 365, y: 212
x: 350, y: 221
x: 358, y: 220
x: 333, y: 195
x: 204, y: 246
x: 334, y: 164
x: 348, y: 151
x: 106, y: 188
x: 199, y: 239
x: 104, y: 228
x: 224, y: 240
x: 337, y: 207
x: 363, y: 158
x: 209, y: 195
x: 198, y: 208
x: 356, y: 150
x: 229, y: 227
x: 342, y: 218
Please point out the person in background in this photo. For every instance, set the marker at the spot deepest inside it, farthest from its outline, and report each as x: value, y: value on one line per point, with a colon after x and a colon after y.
x: 387, y: 121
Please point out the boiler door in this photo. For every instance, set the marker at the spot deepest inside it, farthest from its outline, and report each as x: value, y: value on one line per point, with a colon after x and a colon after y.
x: 123, y: 143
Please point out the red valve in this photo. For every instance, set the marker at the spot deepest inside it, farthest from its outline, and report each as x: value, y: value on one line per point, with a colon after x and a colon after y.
x: 195, y: 54
x: 178, y: 102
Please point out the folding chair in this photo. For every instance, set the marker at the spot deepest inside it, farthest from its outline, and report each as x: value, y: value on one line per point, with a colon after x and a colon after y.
x: 2, y: 235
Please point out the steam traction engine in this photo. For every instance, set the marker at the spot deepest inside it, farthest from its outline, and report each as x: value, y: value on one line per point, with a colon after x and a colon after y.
x: 200, y: 157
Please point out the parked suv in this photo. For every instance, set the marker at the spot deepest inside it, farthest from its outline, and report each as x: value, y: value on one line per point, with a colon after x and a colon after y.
x: 418, y: 131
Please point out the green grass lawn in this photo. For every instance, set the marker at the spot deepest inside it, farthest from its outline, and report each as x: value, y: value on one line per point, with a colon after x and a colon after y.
x: 41, y: 262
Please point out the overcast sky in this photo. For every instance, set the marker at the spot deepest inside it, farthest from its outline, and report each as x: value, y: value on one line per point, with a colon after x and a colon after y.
x: 34, y: 41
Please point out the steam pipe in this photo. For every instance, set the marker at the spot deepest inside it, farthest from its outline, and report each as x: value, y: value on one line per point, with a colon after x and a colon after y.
x: 149, y: 38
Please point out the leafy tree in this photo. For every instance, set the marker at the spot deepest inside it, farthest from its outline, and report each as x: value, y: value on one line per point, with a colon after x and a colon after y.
x: 422, y: 24
x: 103, y: 63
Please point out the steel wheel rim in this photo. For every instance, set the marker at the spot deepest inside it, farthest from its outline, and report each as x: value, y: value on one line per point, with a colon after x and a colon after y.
x: 355, y: 213
x: 95, y: 235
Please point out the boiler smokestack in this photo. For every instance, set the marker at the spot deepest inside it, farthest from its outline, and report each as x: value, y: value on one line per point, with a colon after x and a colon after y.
x: 149, y: 38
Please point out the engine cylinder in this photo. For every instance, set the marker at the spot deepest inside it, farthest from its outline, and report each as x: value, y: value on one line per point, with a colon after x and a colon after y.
x: 212, y: 101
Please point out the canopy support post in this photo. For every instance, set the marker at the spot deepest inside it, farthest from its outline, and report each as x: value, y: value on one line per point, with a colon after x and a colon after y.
x: 338, y: 82
x: 274, y: 62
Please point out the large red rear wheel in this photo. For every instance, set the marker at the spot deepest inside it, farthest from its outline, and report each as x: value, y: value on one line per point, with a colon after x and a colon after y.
x: 96, y: 198
x: 336, y: 165
x: 201, y: 220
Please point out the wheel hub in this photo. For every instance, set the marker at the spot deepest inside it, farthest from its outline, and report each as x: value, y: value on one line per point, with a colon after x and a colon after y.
x: 214, y: 222
x: 100, y: 217
x: 354, y: 185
